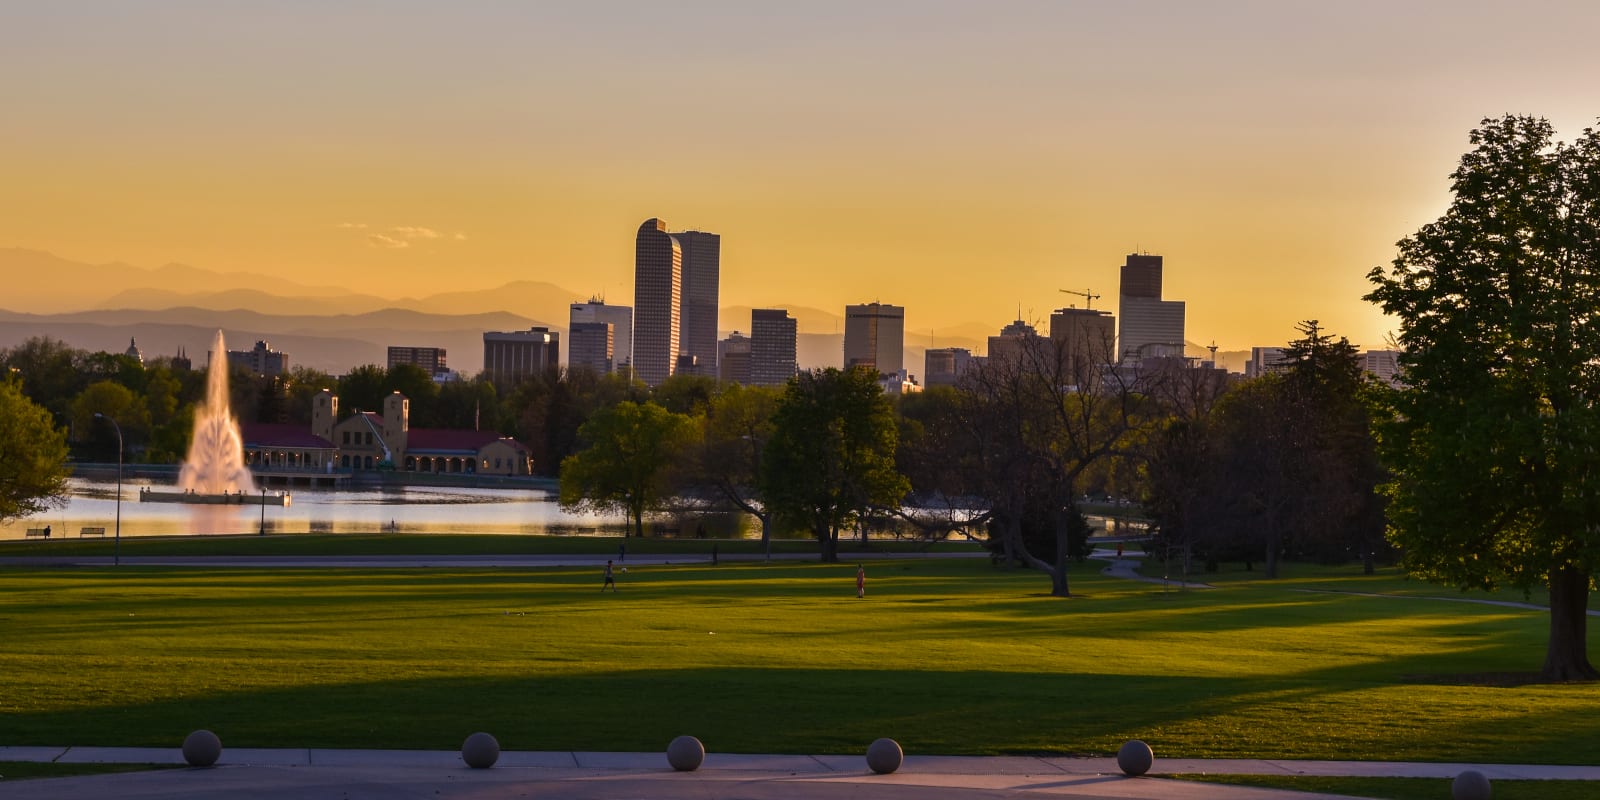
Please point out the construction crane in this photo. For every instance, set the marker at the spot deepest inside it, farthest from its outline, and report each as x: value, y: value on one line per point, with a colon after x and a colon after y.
x: 1088, y: 297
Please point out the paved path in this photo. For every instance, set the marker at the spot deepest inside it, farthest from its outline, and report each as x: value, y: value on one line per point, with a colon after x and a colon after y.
x: 452, y: 561
x: 1125, y: 566
x: 270, y: 774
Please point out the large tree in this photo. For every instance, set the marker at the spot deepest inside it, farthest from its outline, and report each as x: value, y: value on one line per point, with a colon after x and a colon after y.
x: 627, y: 461
x: 33, y: 456
x: 734, y: 432
x: 831, y: 457
x: 1493, y: 444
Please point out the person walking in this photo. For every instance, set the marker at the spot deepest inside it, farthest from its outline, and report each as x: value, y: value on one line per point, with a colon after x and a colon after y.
x: 861, y: 582
x: 611, y: 580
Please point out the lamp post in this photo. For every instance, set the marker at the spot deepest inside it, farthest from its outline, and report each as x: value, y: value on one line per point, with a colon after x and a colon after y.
x: 116, y: 548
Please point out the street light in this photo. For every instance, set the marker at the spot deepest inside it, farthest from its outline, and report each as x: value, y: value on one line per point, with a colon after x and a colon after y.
x: 116, y: 548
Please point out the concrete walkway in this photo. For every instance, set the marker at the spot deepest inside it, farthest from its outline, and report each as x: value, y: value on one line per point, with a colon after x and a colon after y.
x: 271, y: 774
x: 1124, y: 567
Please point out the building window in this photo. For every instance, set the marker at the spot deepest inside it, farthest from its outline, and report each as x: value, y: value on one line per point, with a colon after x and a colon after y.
x: 346, y: 437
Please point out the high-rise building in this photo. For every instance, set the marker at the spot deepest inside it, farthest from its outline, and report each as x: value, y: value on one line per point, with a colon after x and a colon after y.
x: 657, y: 302
x: 508, y: 357
x: 1264, y: 360
x: 621, y: 319
x: 1012, y: 341
x: 944, y: 366
x: 260, y: 360
x: 1086, y: 338
x: 1150, y: 326
x: 875, y: 337
x: 773, y: 336
x: 733, y: 359
x: 702, y: 259
x: 431, y: 359
x: 1383, y: 364
x: 592, y: 345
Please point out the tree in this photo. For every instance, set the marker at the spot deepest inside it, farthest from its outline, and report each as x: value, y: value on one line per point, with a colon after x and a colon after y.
x: 734, y: 432
x: 1492, y: 445
x: 626, y: 462
x: 115, y: 401
x: 363, y: 389
x: 33, y: 456
x: 831, y: 456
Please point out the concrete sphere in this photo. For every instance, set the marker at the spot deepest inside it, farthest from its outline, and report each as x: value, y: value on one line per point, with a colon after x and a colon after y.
x: 1135, y: 758
x: 884, y: 756
x: 686, y: 754
x: 202, y: 748
x: 1470, y: 785
x: 480, y: 750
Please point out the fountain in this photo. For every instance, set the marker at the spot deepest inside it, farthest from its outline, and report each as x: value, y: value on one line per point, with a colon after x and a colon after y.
x: 214, y: 472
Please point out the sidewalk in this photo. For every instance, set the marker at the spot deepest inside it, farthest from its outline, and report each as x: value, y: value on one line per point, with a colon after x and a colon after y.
x: 273, y: 774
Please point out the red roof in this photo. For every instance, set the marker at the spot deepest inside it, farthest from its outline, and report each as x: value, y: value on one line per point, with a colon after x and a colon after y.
x: 443, y: 439
x: 264, y: 435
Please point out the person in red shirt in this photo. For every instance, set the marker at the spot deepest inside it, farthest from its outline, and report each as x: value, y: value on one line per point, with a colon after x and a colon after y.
x: 861, y: 581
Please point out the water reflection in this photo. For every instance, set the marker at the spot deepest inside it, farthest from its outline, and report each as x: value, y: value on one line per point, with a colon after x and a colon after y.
x: 419, y: 509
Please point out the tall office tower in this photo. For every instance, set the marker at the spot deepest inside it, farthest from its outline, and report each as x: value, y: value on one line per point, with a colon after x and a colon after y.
x: 773, y: 334
x: 875, y: 336
x: 592, y: 345
x: 431, y: 359
x: 1012, y: 340
x: 702, y: 258
x: 621, y: 319
x: 1383, y: 364
x: 944, y: 366
x: 733, y: 359
x: 1086, y: 338
x: 1264, y: 360
x: 508, y: 357
x: 657, y: 302
x: 1150, y: 326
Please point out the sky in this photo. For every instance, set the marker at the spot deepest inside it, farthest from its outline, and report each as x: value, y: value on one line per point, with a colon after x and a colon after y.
x: 966, y: 160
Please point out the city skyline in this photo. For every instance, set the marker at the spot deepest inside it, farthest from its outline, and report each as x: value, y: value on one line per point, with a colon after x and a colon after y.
x: 977, y: 158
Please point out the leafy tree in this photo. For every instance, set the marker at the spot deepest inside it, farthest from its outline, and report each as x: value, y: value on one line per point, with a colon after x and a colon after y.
x: 363, y: 389
x: 937, y: 453
x: 33, y: 456
x: 300, y: 386
x: 1043, y: 417
x: 733, y: 434
x: 49, y: 370
x: 117, y: 402
x: 831, y: 457
x: 626, y: 462
x: 685, y: 394
x: 470, y: 404
x: 1492, y: 445
x: 418, y: 386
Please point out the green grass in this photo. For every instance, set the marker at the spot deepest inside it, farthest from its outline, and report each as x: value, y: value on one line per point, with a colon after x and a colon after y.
x: 946, y: 656
x: 22, y: 770
x: 347, y: 544
x: 1404, y: 788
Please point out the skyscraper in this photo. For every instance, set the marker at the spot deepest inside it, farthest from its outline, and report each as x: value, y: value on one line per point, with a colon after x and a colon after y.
x: 773, y: 336
x: 592, y: 345
x: 433, y: 360
x: 508, y: 357
x: 621, y: 319
x: 657, y: 302
x: 733, y: 359
x: 1150, y: 326
x: 1086, y: 338
x: 875, y: 336
x: 944, y: 366
x: 702, y: 258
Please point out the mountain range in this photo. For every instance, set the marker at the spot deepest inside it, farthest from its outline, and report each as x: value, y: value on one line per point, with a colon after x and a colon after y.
x: 330, y: 328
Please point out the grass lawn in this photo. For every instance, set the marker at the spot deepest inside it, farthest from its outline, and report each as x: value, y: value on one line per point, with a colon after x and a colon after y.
x: 948, y: 656
x: 1406, y: 788
x: 348, y: 544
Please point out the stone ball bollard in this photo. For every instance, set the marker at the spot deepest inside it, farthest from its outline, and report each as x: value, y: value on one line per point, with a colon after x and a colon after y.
x: 202, y: 748
x: 480, y: 750
x: 1470, y: 785
x: 1135, y: 758
x: 686, y: 754
x: 884, y: 756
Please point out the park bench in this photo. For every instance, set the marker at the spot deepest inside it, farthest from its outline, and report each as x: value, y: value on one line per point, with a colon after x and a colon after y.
x: 35, y: 533
x: 82, y: 532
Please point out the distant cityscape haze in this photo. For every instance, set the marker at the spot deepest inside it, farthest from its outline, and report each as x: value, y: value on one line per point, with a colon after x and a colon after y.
x: 963, y: 161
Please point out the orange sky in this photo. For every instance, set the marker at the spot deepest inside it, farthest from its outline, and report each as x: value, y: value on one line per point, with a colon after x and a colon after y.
x: 960, y: 159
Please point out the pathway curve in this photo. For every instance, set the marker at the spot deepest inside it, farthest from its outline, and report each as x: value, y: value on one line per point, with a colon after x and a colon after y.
x: 1125, y: 567
x: 1501, y: 603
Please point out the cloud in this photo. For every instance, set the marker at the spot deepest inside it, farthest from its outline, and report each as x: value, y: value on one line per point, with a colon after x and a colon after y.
x: 460, y: 237
x: 379, y: 240
x: 360, y: 226
x: 412, y: 232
